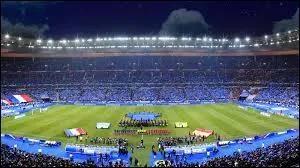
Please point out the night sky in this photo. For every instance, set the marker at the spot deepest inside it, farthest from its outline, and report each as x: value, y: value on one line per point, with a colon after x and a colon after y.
x: 69, y: 19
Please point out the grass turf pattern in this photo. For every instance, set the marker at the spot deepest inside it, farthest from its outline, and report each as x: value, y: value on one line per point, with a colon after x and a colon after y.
x: 227, y: 120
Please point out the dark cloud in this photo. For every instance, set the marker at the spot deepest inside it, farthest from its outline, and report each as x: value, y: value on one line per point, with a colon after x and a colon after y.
x: 287, y: 24
x: 29, y: 2
x: 25, y: 31
x: 183, y: 22
x: 24, y: 6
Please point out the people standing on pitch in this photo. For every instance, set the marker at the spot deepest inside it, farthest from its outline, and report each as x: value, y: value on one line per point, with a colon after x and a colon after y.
x: 131, y: 149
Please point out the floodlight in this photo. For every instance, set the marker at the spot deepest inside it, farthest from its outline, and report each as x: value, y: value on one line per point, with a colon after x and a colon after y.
x: 39, y: 41
x: 247, y: 39
x: 19, y: 38
x: 63, y: 41
x: 266, y: 37
x: 237, y: 39
x: 7, y: 36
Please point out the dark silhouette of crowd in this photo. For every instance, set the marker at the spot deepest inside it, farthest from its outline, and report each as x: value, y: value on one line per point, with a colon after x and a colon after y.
x: 285, y: 154
x: 18, y: 158
x: 174, y: 141
x: 12, y: 157
x: 109, y: 141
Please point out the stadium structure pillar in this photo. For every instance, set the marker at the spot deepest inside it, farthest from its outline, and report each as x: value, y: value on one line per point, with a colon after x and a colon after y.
x: 57, y: 96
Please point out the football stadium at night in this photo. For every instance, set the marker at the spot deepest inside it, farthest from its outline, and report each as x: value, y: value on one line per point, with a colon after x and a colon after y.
x: 184, y: 99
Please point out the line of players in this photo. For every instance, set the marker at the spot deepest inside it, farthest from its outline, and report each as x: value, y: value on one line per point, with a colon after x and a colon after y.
x: 145, y: 123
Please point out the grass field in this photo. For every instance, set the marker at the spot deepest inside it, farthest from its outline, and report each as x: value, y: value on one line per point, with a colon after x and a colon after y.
x: 225, y: 119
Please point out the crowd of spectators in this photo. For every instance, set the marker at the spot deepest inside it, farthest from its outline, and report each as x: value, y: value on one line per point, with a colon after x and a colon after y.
x: 274, y: 94
x: 285, y: 154
x: 174, y: 141
x: 283, y: 95
x: 13, y: 157
x: 169, y: 79
x: 18, y: 158
x: 109, y: 141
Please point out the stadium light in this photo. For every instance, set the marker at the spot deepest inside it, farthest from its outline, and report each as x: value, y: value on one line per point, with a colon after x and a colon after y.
x: 7, y: 36
x: 266, y: 37
x: 19, y: 38
x: 184, y: 38
x: 237, y: 39
x: 63, y: 41
x: 247, y: 39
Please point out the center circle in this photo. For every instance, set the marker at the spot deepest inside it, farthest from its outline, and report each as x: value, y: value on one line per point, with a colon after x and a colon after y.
x: 143, y: 116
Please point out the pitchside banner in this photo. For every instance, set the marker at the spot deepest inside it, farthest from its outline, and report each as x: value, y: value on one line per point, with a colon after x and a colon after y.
x: 19, y: 116
x: 102, y: 125
x: 181, y: 124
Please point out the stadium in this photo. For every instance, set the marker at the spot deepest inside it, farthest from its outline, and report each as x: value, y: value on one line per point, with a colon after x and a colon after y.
x: 163, y: 101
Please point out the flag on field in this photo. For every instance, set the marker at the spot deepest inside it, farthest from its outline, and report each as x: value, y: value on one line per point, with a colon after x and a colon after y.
x: 75, y: 132
x: 202, y: 132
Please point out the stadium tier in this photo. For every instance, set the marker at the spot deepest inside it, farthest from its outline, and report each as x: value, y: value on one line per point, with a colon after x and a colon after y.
x: 166, y: 79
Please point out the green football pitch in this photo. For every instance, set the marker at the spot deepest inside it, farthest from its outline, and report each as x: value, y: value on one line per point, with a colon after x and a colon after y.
x: 227, y: 120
